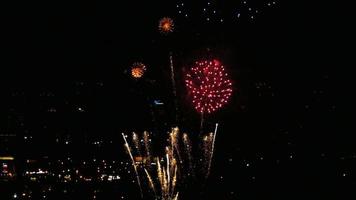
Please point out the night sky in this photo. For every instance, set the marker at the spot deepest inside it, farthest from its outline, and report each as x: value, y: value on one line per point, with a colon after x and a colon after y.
x: 286, y: 133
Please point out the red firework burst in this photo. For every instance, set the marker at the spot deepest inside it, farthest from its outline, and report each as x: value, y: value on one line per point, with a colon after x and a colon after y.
x: 208, y: 85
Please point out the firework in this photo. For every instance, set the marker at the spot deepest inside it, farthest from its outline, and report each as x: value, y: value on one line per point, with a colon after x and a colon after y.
x: 133, y: 163
x: 138, y: 70
x: 207, y: 143
x: 150, y: 181
x: 159, y: 173
x: 208, y: 85
x: 136, y: 142
x: 212, y: 149
x: 176, y: 197
x: 169, y: 174
x: 188, y: 151
x: 174, y: 89
x: 146, y: 141
x: 174, y: 181
x: 174, y: 141
x: 166, y: 25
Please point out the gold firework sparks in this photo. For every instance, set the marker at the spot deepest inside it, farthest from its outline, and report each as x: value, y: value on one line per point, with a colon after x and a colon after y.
x: 136, y: 141
x: 165, y: 183
x: 174, y: 137
x: 166, y: 25
x: 176, y: 197
x: 168, y: 174
x: 212, y: 150
x: 159, y: 172
x: 138, y: 70
x: 188, y: 152
x: 171, y: 169
x: 207, y: 144
x: 133, y: 163
x: 150, y: 182
x: 174, y: 182
x: 146, y: 141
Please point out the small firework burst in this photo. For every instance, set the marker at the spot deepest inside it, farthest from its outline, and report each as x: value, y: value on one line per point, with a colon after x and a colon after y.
x: 138, y: 70
x: 166, y: 25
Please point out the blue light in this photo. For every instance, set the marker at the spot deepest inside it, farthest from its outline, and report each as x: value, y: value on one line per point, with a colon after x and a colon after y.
x: 158, y: 102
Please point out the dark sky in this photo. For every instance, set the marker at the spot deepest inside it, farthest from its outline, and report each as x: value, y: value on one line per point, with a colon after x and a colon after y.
x: 293, y: 46
x: 297, y: 48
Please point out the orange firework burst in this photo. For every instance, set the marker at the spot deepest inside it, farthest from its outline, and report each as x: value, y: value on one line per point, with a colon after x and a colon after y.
x: 166, y: 25
x: 138, y: 70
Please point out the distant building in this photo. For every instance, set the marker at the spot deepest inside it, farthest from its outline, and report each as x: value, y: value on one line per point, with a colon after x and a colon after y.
x: 7, y: 168
x: 7, y: 160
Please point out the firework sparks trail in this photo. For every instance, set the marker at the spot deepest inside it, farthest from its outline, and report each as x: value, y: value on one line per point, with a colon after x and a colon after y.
x: 133, y: 164
x: 146, y: 141
x: 165, y: 183
x: 151, y: 182
x: 174, y: 137
x: 207, y: 140
x: 176, y: 197
x: 136, y: 142
x: 173, y: 179
x: 169, y: 151
x: 174, y: 182
x: 159, y: 173
x: 212, y: 149
x: 168, y: 172
x: 173, y: 84
x: 172, y: 74
x: 188, y: 151
x: 201, y: 122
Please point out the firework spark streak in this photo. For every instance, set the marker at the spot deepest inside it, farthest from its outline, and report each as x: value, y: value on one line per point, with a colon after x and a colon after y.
x: 168, y: 174
x: 133, y: 164
x: 147, y: 145
x: 159, y: 173
x: 212, y: 149
x: 174, y: 182
x: 150, y: 181
x: 188, y: 151
x: 176, y: 197
x: 207, y: 143
x: 172, y: 74
x: 174, y: 137
x: 201, y: 122
x: 173, y: 84
x: 136, y: 142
